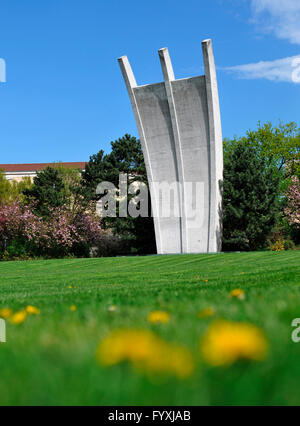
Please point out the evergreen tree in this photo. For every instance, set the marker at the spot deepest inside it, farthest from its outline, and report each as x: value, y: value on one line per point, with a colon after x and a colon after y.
x: 48, y: 191
x: 250, y: 199
x: 126, y: 157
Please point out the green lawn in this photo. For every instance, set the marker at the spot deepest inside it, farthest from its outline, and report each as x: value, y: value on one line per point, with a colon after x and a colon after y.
x: 50, y: 358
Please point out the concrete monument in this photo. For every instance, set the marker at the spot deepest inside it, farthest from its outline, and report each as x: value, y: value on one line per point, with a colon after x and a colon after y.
x: 180, y: 130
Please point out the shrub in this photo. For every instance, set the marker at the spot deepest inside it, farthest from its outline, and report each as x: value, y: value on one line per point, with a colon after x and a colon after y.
x: 62, y: 233
x: 277, y: 246
x: 289, y: 245
x: 292, y: 210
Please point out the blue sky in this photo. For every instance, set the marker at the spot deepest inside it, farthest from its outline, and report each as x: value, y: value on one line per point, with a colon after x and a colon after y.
x: 64, y: 97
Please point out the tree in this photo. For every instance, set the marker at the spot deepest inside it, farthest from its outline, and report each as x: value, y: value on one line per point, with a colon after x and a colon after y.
x: 292, y: 210
x: 48, y: 191
x: 126, y: 157
x: 56, y: 186
x: 71, y: 178
x: 4, y: 189
x: 279, y: 146
x: 11, y: 191
x: 250, y: 202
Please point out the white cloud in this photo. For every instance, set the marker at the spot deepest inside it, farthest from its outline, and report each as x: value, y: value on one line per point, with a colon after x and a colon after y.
x: 281, y: 17
x: 286, y: 70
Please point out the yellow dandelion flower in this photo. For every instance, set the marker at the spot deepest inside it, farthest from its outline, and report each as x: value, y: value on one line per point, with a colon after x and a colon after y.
x: 112, y: 308
x: 70, y: 286
x: 168, y: 359
x: 19, y: 317
x: 120, y: 345
x: 226, y: 342
x: 146, y: 352
x: 159, y: 317
x: 73, y: 308
x: 32, y: 310
x: 5, y: 313
x: 206, y: 281
x: 238, y: 294
x: 206, y: 313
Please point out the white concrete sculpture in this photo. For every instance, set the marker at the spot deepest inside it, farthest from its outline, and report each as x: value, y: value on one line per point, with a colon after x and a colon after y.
x: 180, y: 130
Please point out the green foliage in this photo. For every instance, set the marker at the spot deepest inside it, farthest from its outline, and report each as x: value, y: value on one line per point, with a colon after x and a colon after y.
x: 289, y: 245
x: 126, y: 157
x: 71, y: 178
x: 250, y: 199
x: 48, y: 191
x: 17, y: 249
x: 11, y: 191
x: 54, y: 187
x: 279, y: 146
x: 4, y: 189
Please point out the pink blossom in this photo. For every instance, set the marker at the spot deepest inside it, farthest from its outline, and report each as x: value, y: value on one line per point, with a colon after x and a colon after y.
x: 293, y: 209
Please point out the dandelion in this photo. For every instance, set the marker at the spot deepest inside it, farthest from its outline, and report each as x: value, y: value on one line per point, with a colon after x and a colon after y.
x: 238, y: 294
x: 73, y: 308
x: 226, y: 342
x: 146, y: 352
x: 5, y: 313
x: 159, y: 317
x: 206, y: 313
x: 19, y: 317
x: 206, y: 281
x: 70, y: 286
x: 32, y: 310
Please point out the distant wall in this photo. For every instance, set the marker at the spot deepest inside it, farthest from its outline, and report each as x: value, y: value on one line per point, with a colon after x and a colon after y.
x: 19, y: 176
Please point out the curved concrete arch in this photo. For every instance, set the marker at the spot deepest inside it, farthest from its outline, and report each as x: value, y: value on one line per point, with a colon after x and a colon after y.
x: 180, y: 130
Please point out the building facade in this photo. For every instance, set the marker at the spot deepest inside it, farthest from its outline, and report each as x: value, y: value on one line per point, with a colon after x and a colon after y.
x: 19, y: 171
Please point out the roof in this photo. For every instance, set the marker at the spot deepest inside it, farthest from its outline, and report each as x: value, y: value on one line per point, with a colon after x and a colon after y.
x: 15, y: 168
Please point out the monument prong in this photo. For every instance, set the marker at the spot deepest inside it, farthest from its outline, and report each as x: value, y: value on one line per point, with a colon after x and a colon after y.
x: 166, y: 64
x: 169, y: 77
x: 216, y: 146
x: 131, y: 85
x: 127, y: 72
